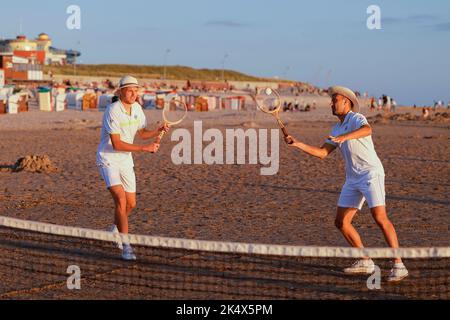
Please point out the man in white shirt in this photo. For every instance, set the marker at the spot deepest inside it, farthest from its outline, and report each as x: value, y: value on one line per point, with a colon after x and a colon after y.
x: 121, y: 122
x: 364, y: 177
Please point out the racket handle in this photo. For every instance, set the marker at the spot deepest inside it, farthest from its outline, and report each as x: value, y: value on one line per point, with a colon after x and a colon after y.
x: 281, y: 125
x: 284, y: 131
x: 286, y: 134
x: 160, y: 136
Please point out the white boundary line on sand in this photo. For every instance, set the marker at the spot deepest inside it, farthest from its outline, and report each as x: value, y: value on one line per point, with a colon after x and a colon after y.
x: 227, y: 247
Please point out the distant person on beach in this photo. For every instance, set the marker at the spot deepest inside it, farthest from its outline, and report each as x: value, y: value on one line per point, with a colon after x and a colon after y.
x: 384, y: 102
x: 364, y: 177
x: 122, y: 121
x: 296, y: 104
x: 388, y: 104
x: 303, y: 105
x: 372, y: 104
x: 394, y: 105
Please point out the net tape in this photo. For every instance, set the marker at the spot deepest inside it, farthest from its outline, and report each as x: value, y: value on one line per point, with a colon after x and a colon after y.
x: 227, y: 247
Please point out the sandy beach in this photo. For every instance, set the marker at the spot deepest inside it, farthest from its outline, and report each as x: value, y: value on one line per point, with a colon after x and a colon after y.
x: 229, y: 202
x: 226, y: 209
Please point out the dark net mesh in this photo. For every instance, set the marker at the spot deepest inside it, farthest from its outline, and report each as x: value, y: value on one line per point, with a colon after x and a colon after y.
x: 35, y: 266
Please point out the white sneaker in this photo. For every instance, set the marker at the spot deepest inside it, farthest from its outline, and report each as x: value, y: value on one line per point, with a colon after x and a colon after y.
x: 398, y: 272
x: 127, y: 253
x: 362, y: 266
x: 118, y: 241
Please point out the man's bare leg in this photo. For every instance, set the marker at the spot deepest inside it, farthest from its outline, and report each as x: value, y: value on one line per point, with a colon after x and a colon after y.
x: 380, y: 215
x: 131, y: 202
x: 120, y: 211
x: 343, y: 222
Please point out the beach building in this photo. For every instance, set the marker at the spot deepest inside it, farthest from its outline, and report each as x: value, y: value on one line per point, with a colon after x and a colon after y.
x: 22, y: 59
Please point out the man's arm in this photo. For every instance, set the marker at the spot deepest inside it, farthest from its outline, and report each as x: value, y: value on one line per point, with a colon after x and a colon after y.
x: 364, y: 131
x: 320, y: 153
x: 120, y: 145
x: 146, y: 134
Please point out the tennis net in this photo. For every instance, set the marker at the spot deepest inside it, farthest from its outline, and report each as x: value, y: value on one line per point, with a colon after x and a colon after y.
x: 42, y: 261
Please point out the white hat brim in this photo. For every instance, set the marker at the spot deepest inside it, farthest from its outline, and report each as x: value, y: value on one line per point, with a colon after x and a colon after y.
x: 130, y: 85
x: 346, y: 92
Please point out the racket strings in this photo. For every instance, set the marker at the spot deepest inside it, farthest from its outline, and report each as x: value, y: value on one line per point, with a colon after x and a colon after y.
x: 174, y: 112
x: 268, y: 101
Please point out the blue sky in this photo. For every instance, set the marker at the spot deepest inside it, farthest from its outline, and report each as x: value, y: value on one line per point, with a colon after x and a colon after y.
x: 322, y: 42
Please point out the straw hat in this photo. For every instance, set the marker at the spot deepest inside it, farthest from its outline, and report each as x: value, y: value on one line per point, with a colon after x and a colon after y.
x: 128, y: 81
x: 346, y: 92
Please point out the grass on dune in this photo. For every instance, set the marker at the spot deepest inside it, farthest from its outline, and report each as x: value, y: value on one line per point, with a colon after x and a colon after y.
x: 152, y: 72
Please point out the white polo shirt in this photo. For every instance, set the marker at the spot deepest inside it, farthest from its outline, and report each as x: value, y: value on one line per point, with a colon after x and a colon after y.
x: 361, y: 160
x: 116, y: 120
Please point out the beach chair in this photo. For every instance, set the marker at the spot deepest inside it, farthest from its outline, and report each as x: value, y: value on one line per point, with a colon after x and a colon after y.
x: 149, y: 101
x: 23, y: 102
x: 13, y: 104
x: 89, y: 101
x: 45, y: 100
x: 104, y: 101
x: 201, y: 104
x: 60, y: 102
x: 75, y: 100
x: 3, y: 103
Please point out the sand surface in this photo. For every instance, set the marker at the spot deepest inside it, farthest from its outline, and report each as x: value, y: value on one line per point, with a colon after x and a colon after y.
x: 216, y: 202
x: 229, y: 202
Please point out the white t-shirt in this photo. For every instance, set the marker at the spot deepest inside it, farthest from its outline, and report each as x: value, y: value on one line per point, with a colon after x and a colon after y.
x: 361, y: 160
x: 117, y: 121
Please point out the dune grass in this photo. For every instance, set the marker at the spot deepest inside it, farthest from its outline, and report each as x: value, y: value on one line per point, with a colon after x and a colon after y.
x: 152, y: 72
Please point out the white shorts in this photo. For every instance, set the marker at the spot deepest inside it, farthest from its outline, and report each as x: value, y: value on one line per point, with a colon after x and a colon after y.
x: 353, y: 195
x: 114, y: 176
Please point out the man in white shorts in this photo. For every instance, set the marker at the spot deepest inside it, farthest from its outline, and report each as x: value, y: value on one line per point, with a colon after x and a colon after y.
x: 121, y: 122
x: 364, y: 177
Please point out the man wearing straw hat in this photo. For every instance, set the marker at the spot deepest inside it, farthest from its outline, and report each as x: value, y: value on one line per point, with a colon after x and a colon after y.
x: 364, y: 177
x: 122, y: 120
